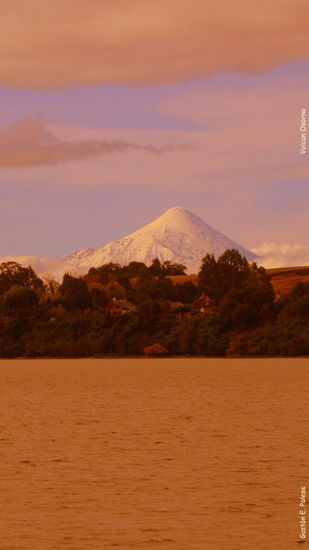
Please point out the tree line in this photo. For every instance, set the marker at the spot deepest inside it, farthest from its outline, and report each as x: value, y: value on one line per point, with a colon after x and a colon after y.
x: 157, y: 313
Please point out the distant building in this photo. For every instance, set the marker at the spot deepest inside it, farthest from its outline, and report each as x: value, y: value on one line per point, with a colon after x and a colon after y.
x: 205, y: 305
x: 120, y: 307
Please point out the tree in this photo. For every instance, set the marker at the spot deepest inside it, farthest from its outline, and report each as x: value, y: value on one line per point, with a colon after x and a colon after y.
x: 300, y: 290
x: 208, y: 276
x: 108, y: 272
x: 217, y: 277
x: 166, y: 268
x: 156, y: 267
x: 75, y: 292
x: 172, y: 268
x: 13, y: 273
x: 249, y: 305
x: 19, y: 298
x: 135, y: 269
x: 233, y: 269
x: 97, y: 295
x: 186, y: 292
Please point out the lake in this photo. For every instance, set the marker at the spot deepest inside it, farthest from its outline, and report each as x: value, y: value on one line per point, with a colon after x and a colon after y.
x: 176, y: 453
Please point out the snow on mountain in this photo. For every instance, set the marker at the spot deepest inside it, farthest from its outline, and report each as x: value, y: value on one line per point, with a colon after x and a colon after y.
x: 178, y: 235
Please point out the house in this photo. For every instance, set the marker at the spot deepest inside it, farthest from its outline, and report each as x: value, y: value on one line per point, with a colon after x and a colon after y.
x: 120, y: 307
x: 204, y: 305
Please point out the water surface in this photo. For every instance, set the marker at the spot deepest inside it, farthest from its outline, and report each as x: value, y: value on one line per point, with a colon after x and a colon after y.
x: 180, y: 454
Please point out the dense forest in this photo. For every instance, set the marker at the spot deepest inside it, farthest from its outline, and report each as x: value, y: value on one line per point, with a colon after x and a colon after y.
x: 230, y: 309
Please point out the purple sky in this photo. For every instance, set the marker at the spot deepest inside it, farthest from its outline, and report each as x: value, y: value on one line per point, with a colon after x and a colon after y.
x: 86, y: 164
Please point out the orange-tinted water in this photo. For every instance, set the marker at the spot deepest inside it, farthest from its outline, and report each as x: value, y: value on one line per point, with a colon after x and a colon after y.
x: 179, y: 454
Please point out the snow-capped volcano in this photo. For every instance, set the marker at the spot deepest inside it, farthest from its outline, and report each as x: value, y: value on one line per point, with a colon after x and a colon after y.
x: 178, y: 236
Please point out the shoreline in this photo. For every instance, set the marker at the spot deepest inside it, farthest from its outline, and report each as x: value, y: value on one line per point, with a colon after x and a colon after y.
x: 143, y: 357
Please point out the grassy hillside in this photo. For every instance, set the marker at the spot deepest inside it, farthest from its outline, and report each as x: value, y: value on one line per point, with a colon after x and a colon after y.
x: 180, y: 279
x: 285, y: 278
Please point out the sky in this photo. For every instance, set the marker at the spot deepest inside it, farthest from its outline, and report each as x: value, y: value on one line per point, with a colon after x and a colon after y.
x: 113, y: 112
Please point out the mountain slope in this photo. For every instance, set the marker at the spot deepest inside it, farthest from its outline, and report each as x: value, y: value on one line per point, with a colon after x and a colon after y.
x: 178, y: 235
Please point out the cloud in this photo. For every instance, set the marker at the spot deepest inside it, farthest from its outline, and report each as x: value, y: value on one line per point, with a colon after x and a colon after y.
x: 29, y: 142
x: 54, y: 267
x: 284, y: 255
x: 58, y: 44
